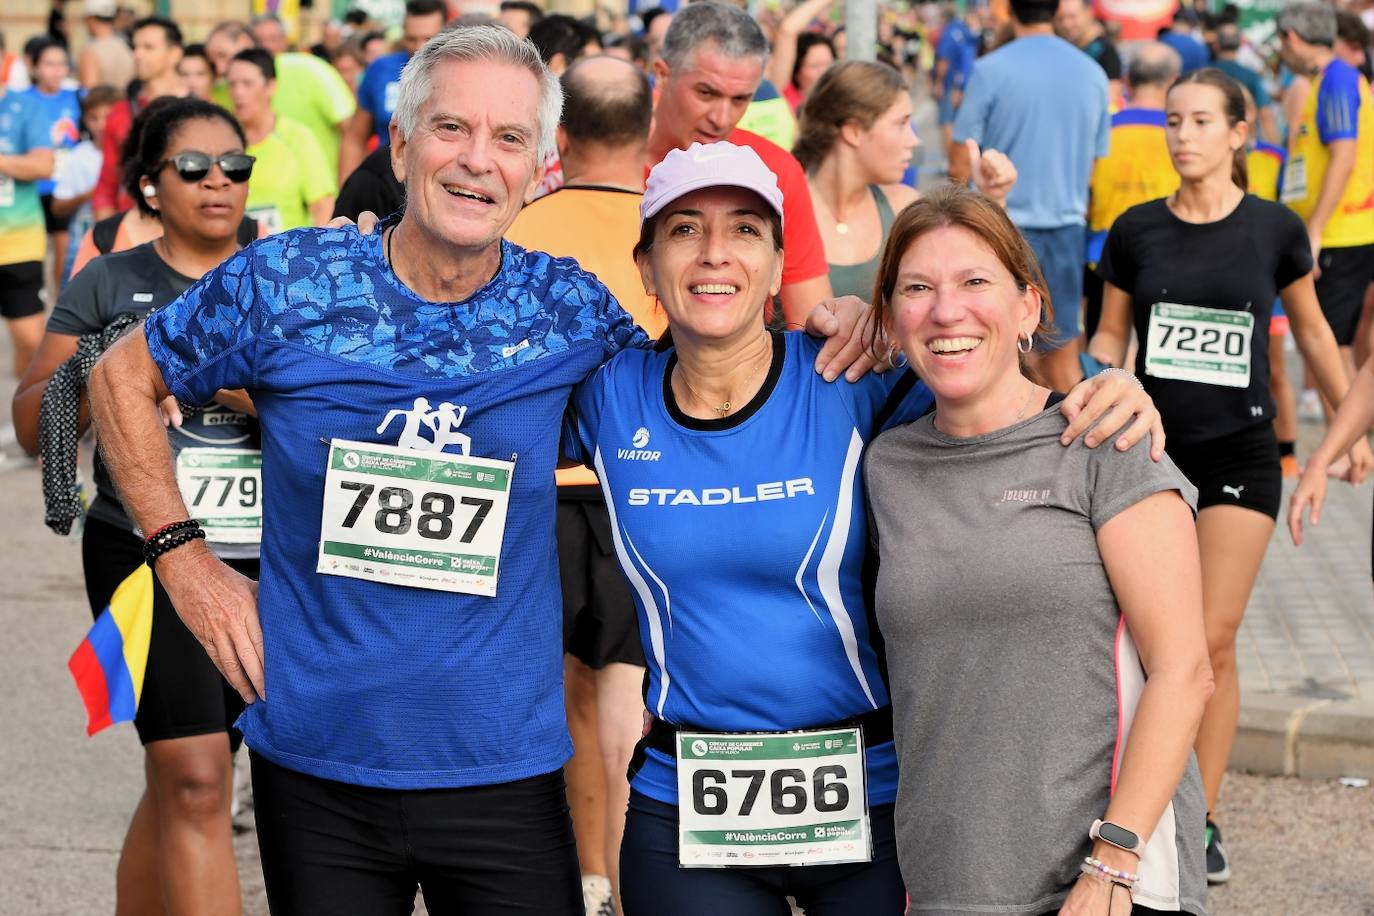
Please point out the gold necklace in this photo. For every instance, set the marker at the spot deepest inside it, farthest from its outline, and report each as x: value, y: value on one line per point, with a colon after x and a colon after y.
x: 841, y: 228
x: 726, y: 407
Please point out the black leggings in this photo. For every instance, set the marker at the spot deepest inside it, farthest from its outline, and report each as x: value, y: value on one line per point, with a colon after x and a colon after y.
x: 652, y: 884
x: 332, y: 848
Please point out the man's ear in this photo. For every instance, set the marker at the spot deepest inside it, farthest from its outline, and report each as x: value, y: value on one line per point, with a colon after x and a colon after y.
x: 398, y: 151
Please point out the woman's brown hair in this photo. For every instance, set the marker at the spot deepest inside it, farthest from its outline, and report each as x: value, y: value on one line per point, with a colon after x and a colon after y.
x: 1233, y: 107
x: 854, y: 90
x: 957, y: 205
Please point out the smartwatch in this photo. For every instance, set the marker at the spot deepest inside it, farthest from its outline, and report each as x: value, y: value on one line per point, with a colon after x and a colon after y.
x: 1117, y: 836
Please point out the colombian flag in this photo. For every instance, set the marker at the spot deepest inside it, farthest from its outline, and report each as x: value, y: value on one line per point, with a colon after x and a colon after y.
x: 108, y: 665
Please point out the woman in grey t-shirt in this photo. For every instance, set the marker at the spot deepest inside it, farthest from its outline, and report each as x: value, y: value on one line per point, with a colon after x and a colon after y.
x: 1042, y: 609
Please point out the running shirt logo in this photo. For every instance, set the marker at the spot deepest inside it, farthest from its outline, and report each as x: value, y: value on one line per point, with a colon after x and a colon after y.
x: 1026, y: 496
x: 639, y: 451
x: 721, y: 496
x: 442, y: 422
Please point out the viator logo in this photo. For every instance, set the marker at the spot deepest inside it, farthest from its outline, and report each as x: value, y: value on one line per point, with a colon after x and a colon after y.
x: 639, y: 452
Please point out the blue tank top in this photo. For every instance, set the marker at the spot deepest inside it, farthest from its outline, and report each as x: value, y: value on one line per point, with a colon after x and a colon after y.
x: 373, y: 683
x: 743, y: 541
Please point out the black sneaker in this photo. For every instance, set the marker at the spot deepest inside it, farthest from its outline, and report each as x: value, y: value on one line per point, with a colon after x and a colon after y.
x: 1218, y: 866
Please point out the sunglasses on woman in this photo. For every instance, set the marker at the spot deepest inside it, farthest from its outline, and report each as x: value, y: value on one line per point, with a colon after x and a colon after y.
x: 193, y: 166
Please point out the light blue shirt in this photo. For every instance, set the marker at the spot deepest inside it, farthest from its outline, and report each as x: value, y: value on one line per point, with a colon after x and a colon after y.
x: 1043, y: 102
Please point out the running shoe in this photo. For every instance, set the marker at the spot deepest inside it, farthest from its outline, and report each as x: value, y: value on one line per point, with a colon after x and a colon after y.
x: 1289, y: 464
x: 1310, y: 407
x: 1218, y: 866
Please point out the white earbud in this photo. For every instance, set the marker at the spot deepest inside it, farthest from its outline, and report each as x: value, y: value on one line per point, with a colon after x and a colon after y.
x: 149, y: 191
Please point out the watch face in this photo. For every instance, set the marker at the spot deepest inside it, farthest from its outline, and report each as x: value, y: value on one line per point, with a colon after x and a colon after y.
x: 1118, y: 836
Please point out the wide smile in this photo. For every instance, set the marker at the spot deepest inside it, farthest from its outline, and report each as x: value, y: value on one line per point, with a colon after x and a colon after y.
x: 715, y: 292
x: 462, y: 193
x: 953, y: 348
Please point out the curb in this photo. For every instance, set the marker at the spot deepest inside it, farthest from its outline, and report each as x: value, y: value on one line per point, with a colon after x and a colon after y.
x: 1311, y: 738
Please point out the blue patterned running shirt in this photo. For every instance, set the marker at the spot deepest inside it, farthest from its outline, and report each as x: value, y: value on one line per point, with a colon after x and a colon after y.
x: 744, y: 541
x: 374, y: 683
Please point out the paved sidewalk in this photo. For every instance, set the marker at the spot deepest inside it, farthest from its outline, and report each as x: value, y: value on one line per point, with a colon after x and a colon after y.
x: 1306, y: 645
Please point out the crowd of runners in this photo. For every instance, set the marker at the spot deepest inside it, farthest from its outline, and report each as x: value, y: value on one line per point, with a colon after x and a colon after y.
x: 636, y: 495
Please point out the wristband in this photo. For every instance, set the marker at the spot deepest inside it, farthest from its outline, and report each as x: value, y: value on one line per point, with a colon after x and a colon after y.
x: 170, y: 537
x: 1129, y: 375
x: 1116, y: 835
x: 169, y: 527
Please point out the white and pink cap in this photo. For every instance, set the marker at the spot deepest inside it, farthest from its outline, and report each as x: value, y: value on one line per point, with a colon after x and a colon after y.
x: 708, y: 165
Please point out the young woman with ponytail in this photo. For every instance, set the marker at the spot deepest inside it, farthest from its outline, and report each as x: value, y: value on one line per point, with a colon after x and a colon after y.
x: 855, y: 140
x: 1197, y: 273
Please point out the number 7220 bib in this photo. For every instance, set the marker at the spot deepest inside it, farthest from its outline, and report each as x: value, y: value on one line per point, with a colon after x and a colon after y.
x: 405, y: 517
x: 1191, y: 343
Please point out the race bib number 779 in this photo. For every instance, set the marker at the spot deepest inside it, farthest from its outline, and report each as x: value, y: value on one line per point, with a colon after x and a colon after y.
x: 406, y: 517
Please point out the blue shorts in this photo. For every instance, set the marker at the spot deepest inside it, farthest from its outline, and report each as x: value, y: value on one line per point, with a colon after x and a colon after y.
x: 1060, y: 253
x: 947, y: 111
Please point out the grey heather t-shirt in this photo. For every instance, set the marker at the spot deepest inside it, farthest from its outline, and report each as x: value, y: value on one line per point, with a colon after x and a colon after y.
x: 1013, y: 678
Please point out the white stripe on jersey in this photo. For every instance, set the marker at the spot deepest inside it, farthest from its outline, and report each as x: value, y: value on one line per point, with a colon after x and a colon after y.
x: 828, y: 573
x: 806, y: 561
x: 641, y: 587
x: 1159, y: 884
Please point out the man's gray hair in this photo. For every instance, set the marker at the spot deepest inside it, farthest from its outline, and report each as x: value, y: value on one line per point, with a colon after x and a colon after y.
x: 1314, y: 23
x: 479, y: 43
x: 730, y: 28
x: 1154, y: 64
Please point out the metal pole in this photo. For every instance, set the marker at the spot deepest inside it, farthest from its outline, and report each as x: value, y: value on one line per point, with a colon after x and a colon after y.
x: 861, y: 29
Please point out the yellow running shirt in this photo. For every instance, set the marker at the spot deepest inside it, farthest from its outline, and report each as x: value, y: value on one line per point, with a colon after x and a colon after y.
x: 1136, y: 169
x: 1264, y: 169
x: 1338, y: 107
x: 291, y: 174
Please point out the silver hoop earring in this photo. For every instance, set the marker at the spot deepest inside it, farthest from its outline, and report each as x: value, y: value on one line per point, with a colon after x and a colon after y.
x: 1030, y: 343
x: 893, y: 354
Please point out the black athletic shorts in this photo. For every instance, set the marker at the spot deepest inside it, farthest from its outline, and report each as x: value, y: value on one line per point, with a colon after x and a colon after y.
x: 51, y: 220
x: 600, y: 625
x: 183, y: 692
x: 1239, y: 469
x: 1346, y: 273
x: 21, y: 288
x: 652, y: 884
x: 331, y: 847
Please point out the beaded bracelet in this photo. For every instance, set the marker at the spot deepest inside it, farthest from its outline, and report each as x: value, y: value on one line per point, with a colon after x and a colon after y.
x: 1130, y: 375
x: 171, y: 526
x: 1096, y: 875
x: 170, y: 537
x: 1107, y: 870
